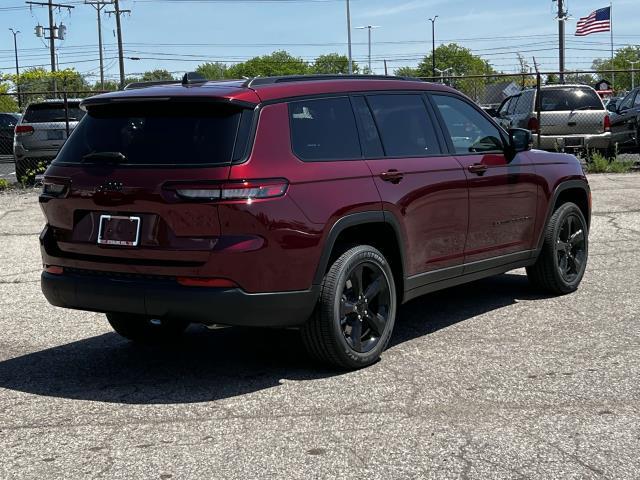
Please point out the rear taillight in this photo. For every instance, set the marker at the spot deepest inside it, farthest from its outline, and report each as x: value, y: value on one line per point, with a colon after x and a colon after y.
x: 248, y: 190
x: 24, y: 130
x: 206, y: 282
x: 53, y: 269
x: 607, y: 123
x: 54, y: 189
x: 533, y: 125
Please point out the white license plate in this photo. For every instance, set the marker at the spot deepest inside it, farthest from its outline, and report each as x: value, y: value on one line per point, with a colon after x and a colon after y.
x: 572, y: 142
x: 120, y: 231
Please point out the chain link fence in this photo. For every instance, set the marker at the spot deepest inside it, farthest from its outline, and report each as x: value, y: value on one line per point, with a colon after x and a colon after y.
x: 578, y: 112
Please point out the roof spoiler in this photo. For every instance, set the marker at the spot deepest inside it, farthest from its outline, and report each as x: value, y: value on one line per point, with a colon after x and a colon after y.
x: 189, y: 78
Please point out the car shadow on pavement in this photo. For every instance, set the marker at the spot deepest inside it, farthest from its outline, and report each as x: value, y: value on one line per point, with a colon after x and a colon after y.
x: 209, y: 365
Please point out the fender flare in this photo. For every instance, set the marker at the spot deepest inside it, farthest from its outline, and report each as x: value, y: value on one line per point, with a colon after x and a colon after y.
x: 352, y: 220
x: 567, y: 185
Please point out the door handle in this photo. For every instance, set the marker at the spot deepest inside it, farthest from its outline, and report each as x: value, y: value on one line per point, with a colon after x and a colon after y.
x: 478, y: 168
x: 393, y: 176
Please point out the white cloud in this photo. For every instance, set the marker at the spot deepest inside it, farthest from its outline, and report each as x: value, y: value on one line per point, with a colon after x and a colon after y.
x: 402, y: 7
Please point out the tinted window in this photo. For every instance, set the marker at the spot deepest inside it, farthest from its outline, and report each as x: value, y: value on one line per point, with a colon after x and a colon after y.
x: 368, y: 131
x: 637, y: 102
x: 513, y: 105
x: 52, y: 112
x: 324, y: 130
x: 626, y: 102
x: 470, y: 131
x: 525, y: 103
x: 404, y: 125
x: 156, y: 134
x: 562, y: 99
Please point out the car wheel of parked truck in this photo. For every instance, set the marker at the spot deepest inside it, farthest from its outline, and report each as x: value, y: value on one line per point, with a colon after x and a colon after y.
x: 354, y: 318
x: 563, y: 259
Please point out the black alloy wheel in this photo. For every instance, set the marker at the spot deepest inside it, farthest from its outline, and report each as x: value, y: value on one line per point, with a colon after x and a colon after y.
x: 571, y: 248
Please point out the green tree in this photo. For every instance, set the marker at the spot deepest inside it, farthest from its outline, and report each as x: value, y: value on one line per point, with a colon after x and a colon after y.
x: 458, y: 58
x: 43, y: 81
x: 620, y: 61
x: 277, y: 63
x: 213, y: 70
x: 156, y: 75
x: 333, y: 63
x: 406, y: 72
x: 8, y: 103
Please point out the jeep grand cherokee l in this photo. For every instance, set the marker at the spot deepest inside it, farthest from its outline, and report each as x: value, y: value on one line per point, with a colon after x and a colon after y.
x: 313, y: 202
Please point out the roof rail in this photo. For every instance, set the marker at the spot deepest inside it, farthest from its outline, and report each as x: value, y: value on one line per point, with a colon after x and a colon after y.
x: 257, y: 81
x: 154, y: 83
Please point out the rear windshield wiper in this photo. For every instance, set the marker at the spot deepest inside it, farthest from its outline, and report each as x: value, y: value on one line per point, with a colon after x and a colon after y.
x: 587, y: 107
x: 115, y: 157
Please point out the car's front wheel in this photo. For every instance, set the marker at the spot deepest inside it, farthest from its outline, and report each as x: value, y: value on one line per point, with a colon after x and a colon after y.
x: 354, y: 319
x: 563, y: 258
x: 147, y: 330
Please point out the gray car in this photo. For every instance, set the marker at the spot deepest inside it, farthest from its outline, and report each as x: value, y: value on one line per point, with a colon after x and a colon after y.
x: 572, y: 118
x: 42, y: 131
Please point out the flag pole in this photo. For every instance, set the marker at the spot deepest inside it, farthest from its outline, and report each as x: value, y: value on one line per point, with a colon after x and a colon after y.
x: 613, y: 74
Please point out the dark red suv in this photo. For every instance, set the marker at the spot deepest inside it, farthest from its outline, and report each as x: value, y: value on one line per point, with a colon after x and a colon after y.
x: 315, y: 202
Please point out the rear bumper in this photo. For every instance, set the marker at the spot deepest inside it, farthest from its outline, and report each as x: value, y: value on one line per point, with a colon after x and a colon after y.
x: 166, y: 298
x: 570, y: 142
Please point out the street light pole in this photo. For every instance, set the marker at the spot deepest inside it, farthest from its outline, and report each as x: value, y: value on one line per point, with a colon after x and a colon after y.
x: 349, y: 37
x: 433, y: 45
x: 15, y: 46
x: 369, y: 28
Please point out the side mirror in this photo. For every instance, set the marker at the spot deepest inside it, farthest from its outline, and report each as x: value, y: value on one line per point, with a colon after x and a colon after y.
x: 520, y: 140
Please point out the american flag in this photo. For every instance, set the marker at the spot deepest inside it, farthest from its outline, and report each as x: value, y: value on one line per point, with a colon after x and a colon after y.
x: 598, y: 21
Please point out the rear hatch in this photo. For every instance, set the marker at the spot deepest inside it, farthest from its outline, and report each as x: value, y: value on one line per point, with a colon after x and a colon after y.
x: 571, y: 111
x: 120, y: 187
x: 44, y: 125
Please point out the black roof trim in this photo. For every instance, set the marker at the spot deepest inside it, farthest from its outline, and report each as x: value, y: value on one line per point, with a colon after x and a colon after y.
x: 258, y: 81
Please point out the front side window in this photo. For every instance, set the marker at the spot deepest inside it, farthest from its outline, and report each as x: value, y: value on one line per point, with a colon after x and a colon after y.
x: 469, y: 130
x: 324, y: 130
x: 405, y: 126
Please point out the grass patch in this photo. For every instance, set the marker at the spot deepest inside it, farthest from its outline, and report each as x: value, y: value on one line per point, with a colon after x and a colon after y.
x: 598, y: 163
x: 4, y: 184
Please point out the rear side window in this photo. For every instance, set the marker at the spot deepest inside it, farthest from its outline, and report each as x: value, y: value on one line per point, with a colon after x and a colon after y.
x: 324, y: 130
x: 563, y: 99
x: 157, y: 133
x: 52, y: 112
x: 405, y: 126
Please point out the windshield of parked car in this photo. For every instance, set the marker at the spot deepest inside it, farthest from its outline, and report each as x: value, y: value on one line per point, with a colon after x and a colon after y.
x: 155, y: 133
x: 570, y: 98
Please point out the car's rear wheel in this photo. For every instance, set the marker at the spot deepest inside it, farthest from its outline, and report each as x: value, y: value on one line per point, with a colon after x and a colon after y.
x: 563, y: 259
x: 354, y: 319
x: 141, y: 329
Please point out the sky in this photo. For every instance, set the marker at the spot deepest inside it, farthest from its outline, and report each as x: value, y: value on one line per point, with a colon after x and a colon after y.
x: 178, y: 35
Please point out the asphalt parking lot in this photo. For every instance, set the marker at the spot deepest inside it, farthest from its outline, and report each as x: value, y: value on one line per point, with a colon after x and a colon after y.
x: 489, y: 380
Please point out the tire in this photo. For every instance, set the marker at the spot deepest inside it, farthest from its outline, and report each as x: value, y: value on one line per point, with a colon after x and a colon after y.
x: 147, y: 330
x: 353, y: 321
x: 563, y: 259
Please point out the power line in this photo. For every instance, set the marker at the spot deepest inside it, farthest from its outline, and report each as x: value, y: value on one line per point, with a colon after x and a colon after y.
x: 99, y: 5
x: 118, y: 13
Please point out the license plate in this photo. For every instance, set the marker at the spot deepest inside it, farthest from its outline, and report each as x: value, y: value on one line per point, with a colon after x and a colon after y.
x: 121, y: 231
x: 55, y: 135
x: 573, y: 142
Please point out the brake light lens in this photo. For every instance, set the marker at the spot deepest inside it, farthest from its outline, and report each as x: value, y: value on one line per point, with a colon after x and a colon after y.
x: 53, y: 269
x: 206, y: 282
x: 607, y: 123
x: 534, y: 125
x: 53, y: 189
x: 24, y: 130
x: 247, y: 190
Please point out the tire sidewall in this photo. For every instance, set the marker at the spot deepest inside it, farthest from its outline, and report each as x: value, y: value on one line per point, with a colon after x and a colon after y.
x: 356, y: 256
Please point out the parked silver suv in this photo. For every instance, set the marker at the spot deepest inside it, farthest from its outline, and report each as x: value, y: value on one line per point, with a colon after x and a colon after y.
x: 42, y: 131
x: 572, y: 117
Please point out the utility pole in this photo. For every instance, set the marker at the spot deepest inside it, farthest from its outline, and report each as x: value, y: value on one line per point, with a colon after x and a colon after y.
x: 633, y: 72
x: 349, y: 37
x: 99, y: 5
x: 15, y: 46
x: 433, y: 46
x: 54, y: 32
x: 369, y: 28
x: 118, y: 13
x: 562, y: 17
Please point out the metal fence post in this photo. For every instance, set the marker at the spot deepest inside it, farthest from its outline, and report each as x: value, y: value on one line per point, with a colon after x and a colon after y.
x: 538, y: 106
x: 66, y: 111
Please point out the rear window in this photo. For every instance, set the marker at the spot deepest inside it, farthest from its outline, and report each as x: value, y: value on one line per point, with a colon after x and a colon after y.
x: 158, y: 133
x: 562, y: 99
x: 52, y: 112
